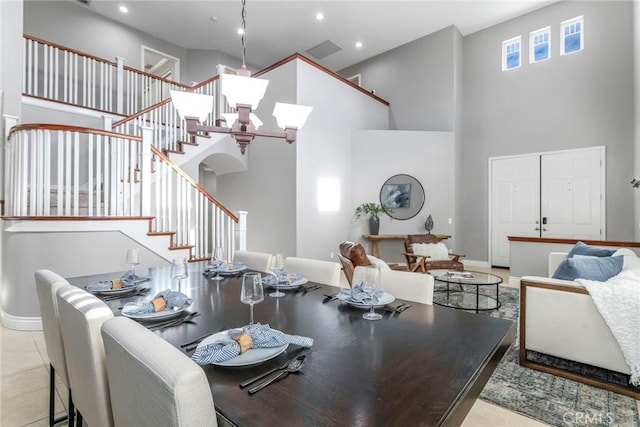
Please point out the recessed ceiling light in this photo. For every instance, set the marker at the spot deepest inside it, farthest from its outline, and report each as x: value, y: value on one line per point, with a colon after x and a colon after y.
x: 123, y: 9
x: 319, y: 16
x: 358, y: 45
x: 240, y: 31
x: 213, y: 19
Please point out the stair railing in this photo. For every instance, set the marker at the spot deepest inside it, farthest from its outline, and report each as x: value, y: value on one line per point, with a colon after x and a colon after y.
x: 67, y: 171
x: 62, y: 74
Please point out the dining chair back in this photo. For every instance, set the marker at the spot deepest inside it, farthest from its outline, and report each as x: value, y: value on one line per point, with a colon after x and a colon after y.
x: 258, y: 261
x: 151, y: 382
x: 324, y: 272
x: 47, y: 284
x: 81, y: 317
x: 403, y: 284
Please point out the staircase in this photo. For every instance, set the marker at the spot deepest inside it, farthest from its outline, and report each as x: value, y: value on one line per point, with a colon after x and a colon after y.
x: 59, y: 172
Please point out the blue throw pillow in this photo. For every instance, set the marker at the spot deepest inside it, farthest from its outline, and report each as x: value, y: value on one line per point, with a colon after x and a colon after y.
x: 581, y: 248
x: 599, y: 269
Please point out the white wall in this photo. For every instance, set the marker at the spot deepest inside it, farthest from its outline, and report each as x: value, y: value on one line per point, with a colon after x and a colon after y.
x: 378, y: 155
x: 324, y: 150
x: 636, y: 73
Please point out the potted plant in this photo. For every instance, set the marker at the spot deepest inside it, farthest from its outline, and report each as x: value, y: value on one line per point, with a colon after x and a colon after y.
x: 372, y: 210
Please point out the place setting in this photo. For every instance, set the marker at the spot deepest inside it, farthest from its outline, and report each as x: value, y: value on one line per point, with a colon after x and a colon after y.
x: 219, y: 268
x: 161, y: 311
x: 125, y: 286
x: 368, y: 295
x: 251, y: 344
x: 281, y: 279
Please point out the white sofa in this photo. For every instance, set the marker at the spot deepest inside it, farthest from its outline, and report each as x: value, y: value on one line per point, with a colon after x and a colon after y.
x: 559, y: 318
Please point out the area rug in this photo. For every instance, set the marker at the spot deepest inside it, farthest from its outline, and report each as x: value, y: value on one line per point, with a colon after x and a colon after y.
x: 550, y: 399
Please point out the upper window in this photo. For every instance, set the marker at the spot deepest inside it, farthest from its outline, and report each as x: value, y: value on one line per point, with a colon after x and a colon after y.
x: 540, y: 43
x: 511, y: 53
x: 572, y: 35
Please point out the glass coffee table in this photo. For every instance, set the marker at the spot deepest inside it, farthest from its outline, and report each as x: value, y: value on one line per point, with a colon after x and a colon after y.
x: 462, y: 290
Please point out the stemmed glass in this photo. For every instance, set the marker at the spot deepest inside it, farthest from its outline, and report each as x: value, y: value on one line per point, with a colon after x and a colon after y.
x: 179, y: 271
x: 252, y: 292
x: 217, y: 260
x: 371, y: 285
x: 133, y: 259
x: 277, y: 269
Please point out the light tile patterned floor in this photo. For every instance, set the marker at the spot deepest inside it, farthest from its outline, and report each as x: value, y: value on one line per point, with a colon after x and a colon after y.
x: 24, y: 385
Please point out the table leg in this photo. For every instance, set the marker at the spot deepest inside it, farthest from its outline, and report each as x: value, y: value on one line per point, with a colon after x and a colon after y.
x: 374, y: 249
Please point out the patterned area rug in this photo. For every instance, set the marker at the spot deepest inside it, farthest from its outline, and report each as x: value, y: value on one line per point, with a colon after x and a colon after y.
x: 550, y: 399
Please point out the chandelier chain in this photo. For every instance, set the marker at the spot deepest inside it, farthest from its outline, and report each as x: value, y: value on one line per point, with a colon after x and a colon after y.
x: 244, y: 30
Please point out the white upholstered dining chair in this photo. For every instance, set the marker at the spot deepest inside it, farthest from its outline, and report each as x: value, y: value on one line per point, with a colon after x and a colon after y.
x: 324, y: 272
x: 151, y: 382
x: 403, y: 284
x: 81, y: 317
x: 258, y: 261
x: 47, y: 284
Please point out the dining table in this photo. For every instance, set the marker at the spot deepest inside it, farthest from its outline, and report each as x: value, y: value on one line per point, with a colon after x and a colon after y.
x: 424, y: 366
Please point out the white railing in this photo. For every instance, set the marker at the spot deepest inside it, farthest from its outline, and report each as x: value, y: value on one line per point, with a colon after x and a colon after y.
x: 58, y: 73
x: 168, y: 128
x: 66, y: 171
x: 183, y: 207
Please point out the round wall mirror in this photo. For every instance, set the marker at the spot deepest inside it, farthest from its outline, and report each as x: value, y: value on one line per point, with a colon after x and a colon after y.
x: 404, y: 195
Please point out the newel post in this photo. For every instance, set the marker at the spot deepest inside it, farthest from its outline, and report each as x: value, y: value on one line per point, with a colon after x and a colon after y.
x: 145, y: 171
x: 242, y: 230
x: 119, y: 84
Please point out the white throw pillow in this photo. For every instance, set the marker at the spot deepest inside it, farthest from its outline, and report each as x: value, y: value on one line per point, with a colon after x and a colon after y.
x: 435, y: 251
x: 624, y: 252
x: 631, y: 260
x: 378, y: 262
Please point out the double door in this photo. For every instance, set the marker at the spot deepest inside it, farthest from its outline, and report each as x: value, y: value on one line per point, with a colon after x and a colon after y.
x: 554, y: 195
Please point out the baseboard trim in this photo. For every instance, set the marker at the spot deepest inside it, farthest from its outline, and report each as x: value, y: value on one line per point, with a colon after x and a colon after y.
x: 515, y: 281
x: 475, y: 263
x: 20, y: 323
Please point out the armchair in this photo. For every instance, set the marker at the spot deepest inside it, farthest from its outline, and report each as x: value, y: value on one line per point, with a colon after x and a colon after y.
x: 429, y: 254
x: 351, y: 256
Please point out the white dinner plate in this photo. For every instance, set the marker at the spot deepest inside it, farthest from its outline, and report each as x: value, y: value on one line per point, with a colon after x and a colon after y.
x: 231, y: 272
x: 253, y: 356
x: 160, y: 315
x: 288, y: 285
x: 385, y: 299
x: 91, y: 288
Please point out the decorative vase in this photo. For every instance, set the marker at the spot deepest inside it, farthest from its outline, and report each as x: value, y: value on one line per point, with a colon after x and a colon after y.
x: 428, y: 224
x: 374, y: 225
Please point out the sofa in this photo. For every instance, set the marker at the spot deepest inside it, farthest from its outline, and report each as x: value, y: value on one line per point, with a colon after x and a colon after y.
x: 559, y: 318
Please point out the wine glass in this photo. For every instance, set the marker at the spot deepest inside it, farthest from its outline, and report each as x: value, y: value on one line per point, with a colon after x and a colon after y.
x: 252, y: 292
x: 133, y: 259
x: 217, y: 260
x: 277, y: 269
x: 371, y: 285
x: 179, y: 270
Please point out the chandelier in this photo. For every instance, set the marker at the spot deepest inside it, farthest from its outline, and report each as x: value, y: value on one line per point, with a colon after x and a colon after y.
x: 243, y: 94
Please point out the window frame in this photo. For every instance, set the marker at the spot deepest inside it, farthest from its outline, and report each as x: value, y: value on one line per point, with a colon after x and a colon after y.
x: 532, y: 45
x: 505, y: 46
x: 568, y: 23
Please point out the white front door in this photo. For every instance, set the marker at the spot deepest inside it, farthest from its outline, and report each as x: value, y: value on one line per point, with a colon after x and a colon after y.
x: 572, y: 205
x: 515, y: 203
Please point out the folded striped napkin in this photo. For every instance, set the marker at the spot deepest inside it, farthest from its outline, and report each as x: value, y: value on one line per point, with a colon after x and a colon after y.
x: 236, y: 341
x: 270, y: 279
x: 172, y: 299
x: 359, y: 296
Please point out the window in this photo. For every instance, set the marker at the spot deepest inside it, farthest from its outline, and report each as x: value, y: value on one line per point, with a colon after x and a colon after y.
x: 539, y: 45
x: 572, y: 35
x: 511, y: 53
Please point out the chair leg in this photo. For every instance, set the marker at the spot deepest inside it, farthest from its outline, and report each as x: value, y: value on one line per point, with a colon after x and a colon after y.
x: 52, y: 398
x: 72, y: 409
x: 78, y: 419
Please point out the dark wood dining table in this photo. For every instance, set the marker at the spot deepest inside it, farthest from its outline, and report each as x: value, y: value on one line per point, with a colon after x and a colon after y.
x: 423, y: 367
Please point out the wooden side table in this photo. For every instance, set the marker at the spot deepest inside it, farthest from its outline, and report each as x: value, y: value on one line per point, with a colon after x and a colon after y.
x: 376, y: 238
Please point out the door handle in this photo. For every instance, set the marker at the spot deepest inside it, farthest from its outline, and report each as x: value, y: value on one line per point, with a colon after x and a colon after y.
x: 537, y: 228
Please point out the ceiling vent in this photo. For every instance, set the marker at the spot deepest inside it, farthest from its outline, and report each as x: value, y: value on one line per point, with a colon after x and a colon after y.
x: 324, y: 49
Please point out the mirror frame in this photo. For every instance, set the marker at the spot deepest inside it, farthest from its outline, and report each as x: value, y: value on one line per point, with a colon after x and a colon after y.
x: 415, y: 194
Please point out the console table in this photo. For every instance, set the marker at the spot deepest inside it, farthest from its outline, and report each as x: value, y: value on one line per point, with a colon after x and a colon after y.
x: 375, y: 239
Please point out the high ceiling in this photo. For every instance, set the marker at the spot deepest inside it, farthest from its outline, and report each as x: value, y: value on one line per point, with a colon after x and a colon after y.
x: 276, y: 29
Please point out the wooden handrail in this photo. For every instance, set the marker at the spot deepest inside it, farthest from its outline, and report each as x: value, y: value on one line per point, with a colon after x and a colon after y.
x: 323, y: 69
x: 197, y: 186
x: 203, y: 83
x: 59, y: 127
x: 97, y: 58
x: 141, y: 113
x: 68, y: 49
